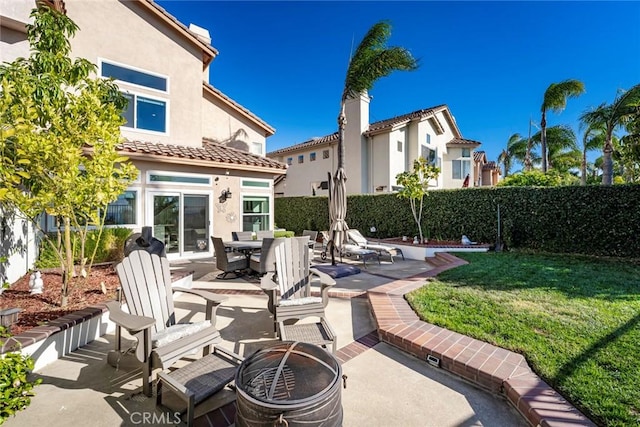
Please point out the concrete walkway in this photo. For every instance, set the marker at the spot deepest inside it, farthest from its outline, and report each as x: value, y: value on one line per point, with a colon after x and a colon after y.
x: 385, y: 386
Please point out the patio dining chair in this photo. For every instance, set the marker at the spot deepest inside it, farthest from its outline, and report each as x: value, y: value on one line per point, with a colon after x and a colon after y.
x: 289, y: 287
x: 228, y: 262
x: 145, y: 280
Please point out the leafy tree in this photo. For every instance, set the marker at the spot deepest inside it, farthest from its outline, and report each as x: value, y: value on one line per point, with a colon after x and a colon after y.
x: 415, y: 185
x: 623, y: 110
x: 371, y: 61
x: 555, y: 99
x: 627, y: 149
x: 60, y: 129
x: 536, y: 178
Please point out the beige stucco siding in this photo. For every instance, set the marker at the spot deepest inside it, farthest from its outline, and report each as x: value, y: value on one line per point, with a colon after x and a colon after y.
x: 301, y: 176
x: 156, y: 48
x: 222, y: 124
x: 225, y: 216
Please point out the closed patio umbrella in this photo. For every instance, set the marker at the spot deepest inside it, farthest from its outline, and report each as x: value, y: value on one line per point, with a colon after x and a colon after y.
x: 338, y: 212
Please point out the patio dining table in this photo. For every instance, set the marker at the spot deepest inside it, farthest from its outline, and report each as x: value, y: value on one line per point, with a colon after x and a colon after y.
x: 247, y: 247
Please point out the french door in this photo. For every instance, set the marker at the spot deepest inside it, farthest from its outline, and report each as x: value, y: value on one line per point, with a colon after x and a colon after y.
x: 181, y: 221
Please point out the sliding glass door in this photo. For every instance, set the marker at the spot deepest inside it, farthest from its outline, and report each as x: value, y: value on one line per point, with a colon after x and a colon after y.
x: 181, y: 221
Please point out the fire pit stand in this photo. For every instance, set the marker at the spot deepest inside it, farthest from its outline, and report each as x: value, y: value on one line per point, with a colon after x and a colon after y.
x: 291, y: 383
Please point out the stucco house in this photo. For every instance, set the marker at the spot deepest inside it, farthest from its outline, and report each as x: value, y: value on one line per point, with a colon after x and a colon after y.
x: 376, y: 152
x: 200, y: 154
x: 487, y: 172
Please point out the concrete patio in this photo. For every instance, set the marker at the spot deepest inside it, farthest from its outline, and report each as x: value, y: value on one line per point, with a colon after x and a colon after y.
x: 385, y: 386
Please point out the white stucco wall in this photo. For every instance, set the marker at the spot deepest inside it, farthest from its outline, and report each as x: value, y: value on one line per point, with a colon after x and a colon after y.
x: 149, y: 50
x: 301, y: 176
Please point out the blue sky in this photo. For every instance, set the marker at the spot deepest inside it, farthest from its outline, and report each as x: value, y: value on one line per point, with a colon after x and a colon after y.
x: 490, y: 62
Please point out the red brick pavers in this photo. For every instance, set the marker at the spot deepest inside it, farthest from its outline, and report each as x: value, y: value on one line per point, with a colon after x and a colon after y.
x: 493, y: 368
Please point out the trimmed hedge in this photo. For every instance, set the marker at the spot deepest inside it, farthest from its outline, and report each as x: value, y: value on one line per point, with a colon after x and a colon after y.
x: 592, y: 220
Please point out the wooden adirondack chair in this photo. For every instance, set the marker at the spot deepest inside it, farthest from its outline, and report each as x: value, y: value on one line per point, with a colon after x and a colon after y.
x: 289, y: 288
x: 161, y: 341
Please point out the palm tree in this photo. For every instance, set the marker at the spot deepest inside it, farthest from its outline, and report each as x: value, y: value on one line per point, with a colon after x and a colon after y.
x: 555, y: 99
x: 592, y: 139
x: 562, y: 148
x: 516, y: 150
x: 623, y: 109
x: 371, y: 61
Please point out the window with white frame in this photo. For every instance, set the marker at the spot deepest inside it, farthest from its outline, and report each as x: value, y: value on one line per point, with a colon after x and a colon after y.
x: 143, y: 112
x: 301, y: 158
x: 325, y: 154
x: 399, y: 146
x: 289, y: 161
x: 462, y: 166
x: 255, y: 213
x: 312, y: 157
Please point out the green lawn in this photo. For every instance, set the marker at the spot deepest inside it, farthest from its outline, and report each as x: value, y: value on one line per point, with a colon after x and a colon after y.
x: 575, y: 319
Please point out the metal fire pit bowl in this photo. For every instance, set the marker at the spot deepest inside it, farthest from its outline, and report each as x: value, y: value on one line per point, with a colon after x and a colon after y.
x: 289, y: 384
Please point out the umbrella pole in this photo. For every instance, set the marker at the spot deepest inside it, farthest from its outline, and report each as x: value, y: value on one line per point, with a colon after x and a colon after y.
x: 330, y: 243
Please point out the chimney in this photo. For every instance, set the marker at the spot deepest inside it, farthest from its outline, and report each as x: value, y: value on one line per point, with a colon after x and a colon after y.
x: 356, y: 153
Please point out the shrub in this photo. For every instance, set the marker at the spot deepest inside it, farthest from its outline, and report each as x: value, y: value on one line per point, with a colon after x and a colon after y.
x: 110, y: 247
x: 283, y: 233
x: 15, y: 387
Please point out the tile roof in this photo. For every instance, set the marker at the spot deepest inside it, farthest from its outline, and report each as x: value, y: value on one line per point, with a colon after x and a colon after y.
x: 373, y: 128
x: 479, y: 155
x: 210, y: 152
x: 310, y: 143
x: 462, y: 141
x: 490, y: 166
x: 394, y: 121
x: 269, y: 130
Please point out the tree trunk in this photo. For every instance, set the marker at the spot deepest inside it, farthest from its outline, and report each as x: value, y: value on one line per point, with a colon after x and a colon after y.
x: 583, y: 175
x: 607, y: 163
x: 543, y: 140
x: 68, y: 263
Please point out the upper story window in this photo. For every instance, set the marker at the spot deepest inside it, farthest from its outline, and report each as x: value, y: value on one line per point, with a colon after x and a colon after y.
x: 325, y: 154
x: 301, y: 158
x: 143, y: 112
x: 134, y: 76
x: 399, y: 146
x: 256, y: 148
x: 429, y: 154
x: 289, y: 161
x: 428, y: 139
x: 312, y: 157
x: 466, y: 152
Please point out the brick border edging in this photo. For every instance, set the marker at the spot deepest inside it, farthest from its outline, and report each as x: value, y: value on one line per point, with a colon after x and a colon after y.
x: 41, y: 333
x: 495, y: 369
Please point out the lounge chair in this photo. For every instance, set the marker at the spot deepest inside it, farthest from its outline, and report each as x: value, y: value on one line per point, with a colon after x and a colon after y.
x: 313, y: 236
x: 161, y: 341
x: 357, y: 238
x: 293, y: 281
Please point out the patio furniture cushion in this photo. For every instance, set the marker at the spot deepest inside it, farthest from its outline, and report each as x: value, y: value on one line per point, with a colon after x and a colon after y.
x: 176, y: 332
x: 299, y: 301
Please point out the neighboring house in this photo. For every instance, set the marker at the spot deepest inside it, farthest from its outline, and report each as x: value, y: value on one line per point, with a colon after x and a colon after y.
x: 375, y: 153
x: 200, y: 154
x: 487, y: 173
